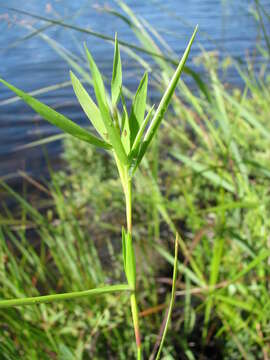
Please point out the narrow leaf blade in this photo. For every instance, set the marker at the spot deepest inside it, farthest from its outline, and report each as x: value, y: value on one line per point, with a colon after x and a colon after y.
x: 116, y: 83
x: 88, y: 105
x: 204, y: 171
x: 65, y: 296
x: 113, y: 133
x: 130, y: 262
x: 138, y: 138
x: 57, y: 119
x: 125, y: 136
x: 124, y: 247
x: 138, y: 108
x: 169, y: 313
x: 163, y: 105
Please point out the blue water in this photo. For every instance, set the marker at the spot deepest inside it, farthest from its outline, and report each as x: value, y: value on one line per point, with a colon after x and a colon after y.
x: 226, y: 25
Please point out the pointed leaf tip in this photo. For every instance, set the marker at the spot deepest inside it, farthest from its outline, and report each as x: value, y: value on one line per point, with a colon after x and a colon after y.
x: 88, y: 105
x: 113, y: 133
x: 116, y: 83
x: 163, y: 105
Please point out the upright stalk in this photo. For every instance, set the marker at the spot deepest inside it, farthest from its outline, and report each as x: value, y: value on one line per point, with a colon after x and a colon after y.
x: 127, y: 185
x: 128, y: 153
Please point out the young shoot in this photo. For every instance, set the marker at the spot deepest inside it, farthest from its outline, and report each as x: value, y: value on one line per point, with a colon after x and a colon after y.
x: 128, y: 137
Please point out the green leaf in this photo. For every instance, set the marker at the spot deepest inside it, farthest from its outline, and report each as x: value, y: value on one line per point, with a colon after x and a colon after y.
x: 249, y: 304
x: 258, y: 260
x: 65, y: 353
x: 113, y: 133
x: 214, y: 275
x: 58, y: 119
x: 249, y: 116
x: 163, y: 105
x: 116, y: 83
x: 138, y: 108
x: 130, y: 262
x: 88, y: 105
x: 43, y: 141
x: 182, y: 268
x: 169, y: 314
x: 136, y: 144
x: 65, y: 296
x: 125, y: 136
x: 124, y: 247
x: 204, y: 170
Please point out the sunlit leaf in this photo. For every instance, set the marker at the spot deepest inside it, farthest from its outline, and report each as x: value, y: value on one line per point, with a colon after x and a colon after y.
x: 116, y: 83
x: 205, y: 171
x: 58, y: 119
x: 169, y: 314
x: 113, y: 133
x: 65, y: 296
x: 130, y: 261
x: 138, y: 108
x: 136, y: 144
x: 163, y: 105
x: 88, y: 105
x: 124, y: 247
x: 125, y: 136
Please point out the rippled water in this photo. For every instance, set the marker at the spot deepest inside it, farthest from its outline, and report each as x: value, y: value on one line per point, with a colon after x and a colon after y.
x: 224, y: 25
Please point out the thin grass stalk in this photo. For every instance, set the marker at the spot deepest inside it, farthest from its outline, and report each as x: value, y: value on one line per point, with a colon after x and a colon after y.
x: 172, y: 299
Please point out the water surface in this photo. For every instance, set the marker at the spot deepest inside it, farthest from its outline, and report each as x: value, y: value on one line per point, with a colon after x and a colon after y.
x: 224, y: 25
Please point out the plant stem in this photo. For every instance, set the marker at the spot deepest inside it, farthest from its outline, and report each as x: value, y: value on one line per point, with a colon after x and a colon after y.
x: 133, y: 301
x: 128, y: 196
x: 169, y: 314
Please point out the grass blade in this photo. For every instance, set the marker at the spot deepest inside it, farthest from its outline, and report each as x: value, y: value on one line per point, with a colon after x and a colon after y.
x: 116, y: 83
x: 214, y: 274
x: 181, y: 267
x: 138, y: 108
x: 249, y: 116
x: 205, y: 171
x: 92, y: 33
x: 125, y: 135
x: 144, y: 49
x: 168, y: 94
x: 172, y: 299
x: 260, y: 258
x: 40, y: 142
x: 58, y: 119
x: 100, y: 92
x: 130, y: 264
x: 159, y: 114
x: 40, y: 91
x: 136, y: 144
x: 88, y: 105
x: 124, y: 247
x: 66, y: 296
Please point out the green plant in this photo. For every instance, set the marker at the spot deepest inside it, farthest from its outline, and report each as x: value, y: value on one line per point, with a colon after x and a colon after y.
x: 128, y: 138
x: 218, y: 168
